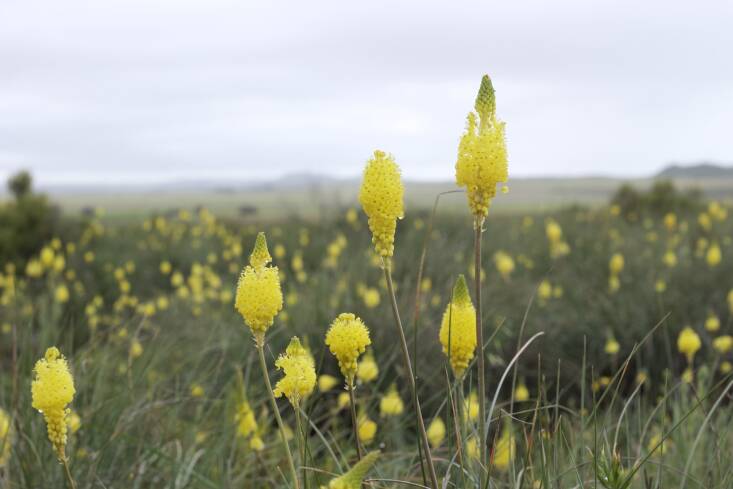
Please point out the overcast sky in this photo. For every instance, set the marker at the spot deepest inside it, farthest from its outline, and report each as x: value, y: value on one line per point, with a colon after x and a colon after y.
x: 166, y: 90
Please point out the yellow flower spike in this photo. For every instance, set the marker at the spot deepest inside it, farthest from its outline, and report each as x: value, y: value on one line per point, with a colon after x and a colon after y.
x: 458, y: 328
x: 347, y: 338
x: 714, y: 255
x: 326, y: 382
x: 712, y: 323
x: 391, y: 404
x: 245, y: 419
x: 612, y: 346
x: 367, y: 429
x: 436, y: 432
x: 381, y: 197
x: 353, y: 478
x: 688, y: 343
x: 470, y: 407
x: 723, y: 344
x: 504, y: 450
x: 259, y: 297
x: 482, y: 157
x: 6, y: 437
x: 521, y: 393
x: 300, y: 373
x: 367, y: 370
x: 52, y: 390
x: 616, y: 264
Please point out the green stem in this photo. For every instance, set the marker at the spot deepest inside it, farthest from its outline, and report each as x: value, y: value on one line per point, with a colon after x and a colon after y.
x: 410, y: 375
x: 301, y: 443
x: 281, y: 426
x: 354, y: 421
x: 69, y: 479
x: 480, y: 340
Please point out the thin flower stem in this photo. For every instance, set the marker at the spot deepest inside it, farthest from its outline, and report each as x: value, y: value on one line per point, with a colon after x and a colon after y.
x: 301, y: 443
x: 281, y: 426
x: 354, y: 422
x: 410, y: 375
x: 69, y: 479
x: 478, y: 224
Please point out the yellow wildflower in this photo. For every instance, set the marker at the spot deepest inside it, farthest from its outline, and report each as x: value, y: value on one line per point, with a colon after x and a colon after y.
x: 197, y: 391
x: 616, y: 264
x: 381, y: 196
x: 612, y: 346
x: 458, y: 328
x: 504, y: 450
x: 326, y: 382
x: 670, y: 259
x: 712, y: 323
x: 367, y: 370
x: 136, y: 348
x: 52, y: 390
x: 688, y: 376
x: 391, y: 404
x: 521, y: 393
x: 165, y: 267
x: 6, y: 437
x: 367, y: 429
x: 73, y: 421
x: 34, y: 269
x: 482, y: 156
x: 723, y: 344
x: 714, y: 255
x: 300, y: 373
x: 343, y: 400
x: 470, y: 407
x: 504, y: 264
x: 256, y: 443
x: 472, y: 448
x: 259, y: 296
x: 688, y: 343
x: 436, y: 432
x: 726, y: 367
x: 353, y: 478
x: 47, y: 257
x: 670, y: 221
x: 61, y: 294
x: 347, y: 338
x: 245, y: 419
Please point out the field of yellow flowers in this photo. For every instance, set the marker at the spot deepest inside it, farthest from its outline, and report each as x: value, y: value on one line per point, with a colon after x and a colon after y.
x: 388, y: 347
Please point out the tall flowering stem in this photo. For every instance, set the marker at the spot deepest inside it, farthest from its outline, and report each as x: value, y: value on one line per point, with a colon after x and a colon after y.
x: 410, y: 375
x: 482, y: 165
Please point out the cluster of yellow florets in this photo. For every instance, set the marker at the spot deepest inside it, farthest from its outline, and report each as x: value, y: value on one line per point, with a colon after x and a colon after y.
x: 391, y: 404
x: 482, y: 157
x: 300, y: 373
x: 259, y: 296
x: 347, y: 338
x: 458, y: 328
x: 6, y: 438
x: 52, y: 390
x: 381, y: 197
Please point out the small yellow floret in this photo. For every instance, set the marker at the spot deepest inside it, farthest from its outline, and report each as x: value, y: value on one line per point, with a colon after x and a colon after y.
x: 458, y: 328
x: 300, y: 373
x: 347, y: 338
x: 688, y: 343
x: 52, y: 390
x: 381, y: 196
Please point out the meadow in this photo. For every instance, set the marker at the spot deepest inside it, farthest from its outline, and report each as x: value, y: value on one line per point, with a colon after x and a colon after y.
x: 141, y: 351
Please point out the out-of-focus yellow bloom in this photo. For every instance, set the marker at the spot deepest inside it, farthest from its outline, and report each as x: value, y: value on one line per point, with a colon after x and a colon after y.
x: 381, y: 196
x: 436, y: 432
x: 612, y: 346
x: 670, y: 259
x: 660, y: 286
x: 353, y: 478
x: 136, y: 348
x: 245, y: 419
x: 714, y: 255
x: 259, y: 297
x: 52, y: 390
x: 47, y: 256
x: 367, y: 370
x: 34, y: 269
x: 256, y: 444
x: 614, y: 283
x: 347, y: 338
x: 73, y: 421
x: 558, y: 246
x: 458, y: 328
x: 351, y: 215
x: 482, y: 161
x: 326, y: 382
x: 616, y: 264
x: 197, y: 391
x: 723, y: 344
x: 343, y: 400
x: 472, y: 448
x: 504, y: 264
x: 521, y: 393
x: 504, y: 450
x: 655, y: 440
x: 61, y: 294
x: 712, y: 323
x: 367, y: 429
x: 391, y: 404
x: 300, y: 373
x: 670, y: 221
x: 688, y: 343
x: 6, y: 438
x: 165, y: 267
x: 371, y: 297
x: 704, y: 221
x: 688, y: 376
x: 544, y: 291
x: 726, y: 367
x: 470, y: 407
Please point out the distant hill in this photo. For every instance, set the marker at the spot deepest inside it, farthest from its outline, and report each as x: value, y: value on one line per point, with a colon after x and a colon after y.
x: 701, y: 170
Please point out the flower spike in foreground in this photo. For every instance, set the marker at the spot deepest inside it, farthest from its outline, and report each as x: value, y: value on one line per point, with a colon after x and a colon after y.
x: 52, y: 390
x: 458, y: 328
x: 381, y: 196
x: 259, y: 296
x: 354, y: 477
x: 300, y: 373
x: 482, y: 156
